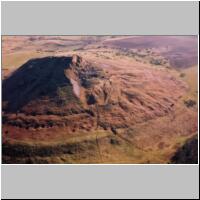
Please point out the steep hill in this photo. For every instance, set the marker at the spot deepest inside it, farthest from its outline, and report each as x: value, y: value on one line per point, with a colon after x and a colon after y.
x: 64, y: 86
x: 74, y: 109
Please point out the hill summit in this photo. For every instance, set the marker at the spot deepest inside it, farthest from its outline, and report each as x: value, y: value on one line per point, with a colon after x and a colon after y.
x: 68, y: 87
x: 46, y: 85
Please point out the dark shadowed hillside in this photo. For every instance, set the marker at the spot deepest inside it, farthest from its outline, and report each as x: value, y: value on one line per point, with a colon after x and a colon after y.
x: 38, y: 86
x: 188, y: 153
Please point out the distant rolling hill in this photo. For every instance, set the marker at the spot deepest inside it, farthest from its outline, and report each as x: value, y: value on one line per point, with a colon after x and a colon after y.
x: 181, y: 51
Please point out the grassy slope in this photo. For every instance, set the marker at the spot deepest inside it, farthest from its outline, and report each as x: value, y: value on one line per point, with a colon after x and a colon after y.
x: 191, y: 77
x: 105, y: 152
x: 149, y: 142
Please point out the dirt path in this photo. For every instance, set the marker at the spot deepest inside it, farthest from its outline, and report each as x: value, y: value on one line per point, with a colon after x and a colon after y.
x: 97, y: 125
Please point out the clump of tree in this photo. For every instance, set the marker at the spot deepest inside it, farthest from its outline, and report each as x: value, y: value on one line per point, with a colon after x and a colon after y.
x: 91, y: 99
x: 49, y: 112
x: 113, y: 129
x: 156, y: 62
x: 190, y: 103
x: 182, y: 75
x: 114, y: 141
x: 4, y: 119
x: 86, y: 83
x: 104, y: 125
x: 50, y: 123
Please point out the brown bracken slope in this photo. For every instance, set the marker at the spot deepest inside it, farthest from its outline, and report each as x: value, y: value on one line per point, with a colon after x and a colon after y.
x: 69, y: 106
